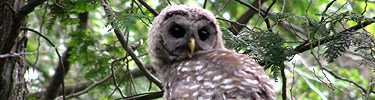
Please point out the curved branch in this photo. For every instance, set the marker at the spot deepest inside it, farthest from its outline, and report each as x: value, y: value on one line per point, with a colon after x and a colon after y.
x: 49, y: 41
x: 60, y: 70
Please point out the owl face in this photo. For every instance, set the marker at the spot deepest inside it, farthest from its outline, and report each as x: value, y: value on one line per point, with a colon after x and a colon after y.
x: 180, y: 31
x: 187, y: 52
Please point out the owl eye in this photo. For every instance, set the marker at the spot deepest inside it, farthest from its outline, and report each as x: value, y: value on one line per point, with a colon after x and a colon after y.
x: 203, y: 34
x: 177, y: 31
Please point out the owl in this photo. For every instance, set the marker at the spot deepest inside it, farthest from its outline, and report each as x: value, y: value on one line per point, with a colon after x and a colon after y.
x: 187, y: 51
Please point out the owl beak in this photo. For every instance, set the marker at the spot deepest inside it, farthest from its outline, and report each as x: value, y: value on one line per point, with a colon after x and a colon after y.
x: 191, y: 46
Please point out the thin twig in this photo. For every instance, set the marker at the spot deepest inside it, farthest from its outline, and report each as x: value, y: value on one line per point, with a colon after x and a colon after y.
x: 320, y: 65
x: 204, y: 4
x: 149, y: 76
x: 293, y: 29
x: 148, y: 19
x: 269, y: 8
x: 114, y: 76
x: 344, y: 79
x: 330, y: 85
x: 221, y: 8
x: 372, y: 85
x: 169, y: 2
x: 325, y: 10
x: 250, y: 6
x: 123, y: 42
x: 113, y: 72
x: 57, y: 4
x: 233, y: 22
x: 303, y: 47
x: 307, y: 25
x: 364, y: 8
x: 262, y: 13
x: 342, y: 6
x: 293, y: 82
x: 92, y: 85
x: 58, y: 55
x: 284, y: 79
x: 21, y: 54
x: 49, y: 41
x: 144, y: 96
x: 153, y: 11
x: 282, y: 7
x: 41, y: 30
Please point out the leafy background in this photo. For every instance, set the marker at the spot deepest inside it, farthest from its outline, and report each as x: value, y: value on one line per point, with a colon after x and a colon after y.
x: 95, y: 51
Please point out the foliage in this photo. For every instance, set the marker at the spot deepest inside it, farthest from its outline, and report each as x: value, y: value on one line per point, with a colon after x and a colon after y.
x: 267, y: 47
x: 97, y: 53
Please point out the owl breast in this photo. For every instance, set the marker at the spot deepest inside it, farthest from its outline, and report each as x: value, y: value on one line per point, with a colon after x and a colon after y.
x: 218, y: 74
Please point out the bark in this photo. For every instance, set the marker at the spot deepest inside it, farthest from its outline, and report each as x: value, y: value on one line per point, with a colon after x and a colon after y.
x: 12, y: 69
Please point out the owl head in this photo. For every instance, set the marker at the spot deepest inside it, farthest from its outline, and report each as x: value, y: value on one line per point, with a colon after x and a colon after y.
x: 179, y: 32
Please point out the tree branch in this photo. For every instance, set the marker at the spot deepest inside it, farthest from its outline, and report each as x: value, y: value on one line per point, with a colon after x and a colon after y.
x: 60, y: 70
x: 85, y: 86
x: 26, y: 9
x: 92, y: 85
x: 333, y: 73
x: 292, y: 29
x: 245, y: 17
x: 283, y: 93
x: 68, y: 90
x: 44, y: 37
x: 8, y: 55
x: 16, y: 19
x: 64, y: 65
x: 261, y: 12
x: 234, y: 23
x: 145, y: 96
x: 153, y: 11
x: 124, y: 44
x: 58, y: 78
x: 305, y: 46
x: 204, y: 4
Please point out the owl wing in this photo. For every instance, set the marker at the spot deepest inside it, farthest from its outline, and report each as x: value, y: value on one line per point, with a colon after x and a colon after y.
x: 219, y: 74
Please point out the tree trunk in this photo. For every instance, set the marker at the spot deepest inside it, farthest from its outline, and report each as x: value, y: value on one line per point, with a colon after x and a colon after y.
x: 12, y: 68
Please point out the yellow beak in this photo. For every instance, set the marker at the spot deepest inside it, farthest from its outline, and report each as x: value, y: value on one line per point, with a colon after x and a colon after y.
x: 191, y: 46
